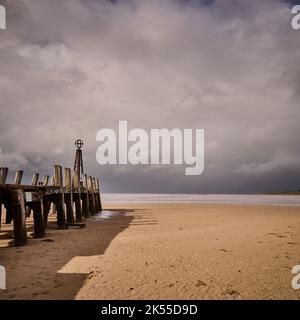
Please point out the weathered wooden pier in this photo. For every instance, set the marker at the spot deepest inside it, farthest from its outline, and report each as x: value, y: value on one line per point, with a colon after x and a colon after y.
x: 75, y: 197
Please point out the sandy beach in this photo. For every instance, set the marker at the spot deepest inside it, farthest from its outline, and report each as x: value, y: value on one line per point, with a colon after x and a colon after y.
x: 160, y: 251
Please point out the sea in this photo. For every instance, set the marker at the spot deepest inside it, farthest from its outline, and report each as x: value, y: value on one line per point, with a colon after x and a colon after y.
x: 238, y: 199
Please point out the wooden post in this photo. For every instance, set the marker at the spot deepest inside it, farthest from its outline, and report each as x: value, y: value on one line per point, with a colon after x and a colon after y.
x: 46, y: 201
x: 38, y: 214
x: 97, y: 205
x: 45, y: 181
x: 35, y: 179
x: 18, y: 177
x: 19, y: 214
x: 85, y: 198
x: 77, y: 197
x: 59, y: 198
x: 34, y: 182
x: 69, y: 195
x: 46, y: 208
x: 98, y: 194
x: 3, y: 175
x: 91, y: 196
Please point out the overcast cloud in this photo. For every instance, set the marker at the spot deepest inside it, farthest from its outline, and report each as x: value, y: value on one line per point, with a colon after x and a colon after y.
x: 69, y: 68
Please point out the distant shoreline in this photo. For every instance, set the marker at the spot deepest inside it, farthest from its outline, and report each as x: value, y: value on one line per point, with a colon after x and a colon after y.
x: 291, y: 193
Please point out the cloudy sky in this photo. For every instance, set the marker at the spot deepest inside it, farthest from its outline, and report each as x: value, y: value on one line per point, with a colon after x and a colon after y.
x: 230, y: 67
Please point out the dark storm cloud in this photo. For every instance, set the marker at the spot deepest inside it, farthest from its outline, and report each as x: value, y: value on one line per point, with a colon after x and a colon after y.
x: 70, y: 68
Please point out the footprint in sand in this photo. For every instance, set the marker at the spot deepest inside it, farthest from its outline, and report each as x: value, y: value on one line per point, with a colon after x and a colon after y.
x: 232, y: 292
x: 224, y: 250
x: 200, y: 283
x: 278, y: 235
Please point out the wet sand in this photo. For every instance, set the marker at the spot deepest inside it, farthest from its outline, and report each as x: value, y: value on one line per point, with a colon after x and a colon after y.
x: 161, y: 252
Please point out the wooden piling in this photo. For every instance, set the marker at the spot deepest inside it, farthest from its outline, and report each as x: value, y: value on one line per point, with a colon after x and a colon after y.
x: 34, y: 182
x: 19, y: 215
x: 85, y: 198
x: 77, y: 197
x: 38, y: 214
x: 98, y: 194
x: 45, y: 180
x: 18, y: 177
x: 59, y: 197
x: 91, y: 196
x: 97, y: 204
x: 35, y: 179
x: 3, y: 175
x: 46, y: 200
x: 62, y: 193
x: 69, y: 195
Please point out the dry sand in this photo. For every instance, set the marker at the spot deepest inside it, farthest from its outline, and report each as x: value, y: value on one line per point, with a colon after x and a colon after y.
x: 161, y: 252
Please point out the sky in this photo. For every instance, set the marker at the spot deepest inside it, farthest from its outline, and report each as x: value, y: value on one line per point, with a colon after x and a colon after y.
x: 231, y: 67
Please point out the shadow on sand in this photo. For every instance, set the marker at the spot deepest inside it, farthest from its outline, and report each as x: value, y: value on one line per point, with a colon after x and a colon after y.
x: 34, y: 271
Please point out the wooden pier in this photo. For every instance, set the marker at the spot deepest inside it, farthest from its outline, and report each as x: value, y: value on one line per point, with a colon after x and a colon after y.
x: 75, y: 199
